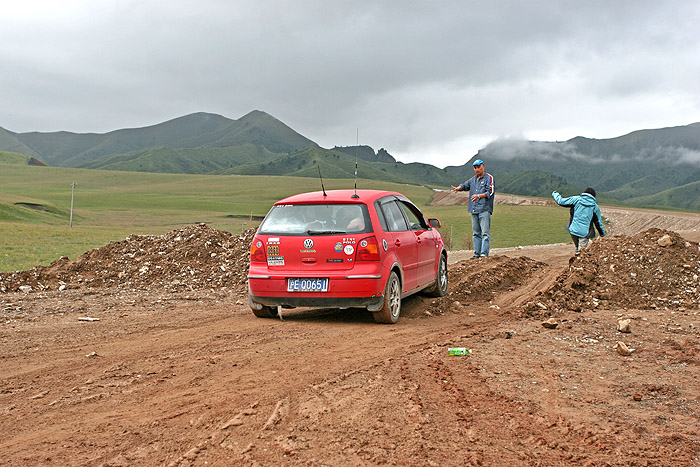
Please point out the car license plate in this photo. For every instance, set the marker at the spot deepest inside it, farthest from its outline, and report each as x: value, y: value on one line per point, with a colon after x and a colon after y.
x: 307, y: 285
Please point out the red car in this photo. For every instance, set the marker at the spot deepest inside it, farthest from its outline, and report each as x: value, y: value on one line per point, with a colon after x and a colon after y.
x: 343, y: 249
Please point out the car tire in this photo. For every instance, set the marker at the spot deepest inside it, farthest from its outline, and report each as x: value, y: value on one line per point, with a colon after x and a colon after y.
x: 389, y: 313
x: 439, y: 289
x: 265, y: 312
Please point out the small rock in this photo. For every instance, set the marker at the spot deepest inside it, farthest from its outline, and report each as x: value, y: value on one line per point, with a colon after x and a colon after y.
x: 41, y: 395
x: 622, y: 349
x: 636, y: 396
x: 506, y: 334
x: 551, y: 323
x: 623, y: 325
x: 541, y: 305
x: 25, y: 288
x: 665, y: 241
x: 235, y: 421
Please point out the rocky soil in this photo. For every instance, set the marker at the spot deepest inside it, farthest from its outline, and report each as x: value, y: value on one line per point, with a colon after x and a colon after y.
x: 192, y: 258
x: 145, y: 352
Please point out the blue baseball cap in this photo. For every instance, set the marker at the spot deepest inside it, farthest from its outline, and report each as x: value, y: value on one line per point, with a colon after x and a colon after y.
x: 478, y: 162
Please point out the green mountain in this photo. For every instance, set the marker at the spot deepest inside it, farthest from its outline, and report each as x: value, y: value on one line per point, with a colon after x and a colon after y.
x: 339, y: 164
x: 199, y: 130
x: 11, y: 143
x: 366, y: 153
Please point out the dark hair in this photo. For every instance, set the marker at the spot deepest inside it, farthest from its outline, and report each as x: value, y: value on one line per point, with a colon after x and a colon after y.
x: 590, y: 191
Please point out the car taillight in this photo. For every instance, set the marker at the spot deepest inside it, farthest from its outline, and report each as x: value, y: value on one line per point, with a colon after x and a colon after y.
x: 257, y: 252
x: 367, y: 250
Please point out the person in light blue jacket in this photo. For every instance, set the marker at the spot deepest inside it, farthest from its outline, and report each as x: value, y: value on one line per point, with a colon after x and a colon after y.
x: 585, y: 214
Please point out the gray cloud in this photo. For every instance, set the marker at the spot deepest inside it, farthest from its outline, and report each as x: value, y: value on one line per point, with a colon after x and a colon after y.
x: 431, y: 81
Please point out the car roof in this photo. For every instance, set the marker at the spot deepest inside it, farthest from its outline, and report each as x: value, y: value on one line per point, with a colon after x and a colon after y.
x: 338, y: 196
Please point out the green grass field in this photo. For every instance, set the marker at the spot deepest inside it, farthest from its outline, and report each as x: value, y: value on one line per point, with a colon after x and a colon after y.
x: 111, y: 205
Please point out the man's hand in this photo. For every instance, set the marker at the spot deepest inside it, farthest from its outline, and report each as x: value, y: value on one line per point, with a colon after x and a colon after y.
x: 475, y: 197
x: 455, y: 188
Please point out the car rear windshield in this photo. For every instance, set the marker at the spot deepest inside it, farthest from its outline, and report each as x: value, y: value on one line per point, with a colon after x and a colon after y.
x: 316, y: 219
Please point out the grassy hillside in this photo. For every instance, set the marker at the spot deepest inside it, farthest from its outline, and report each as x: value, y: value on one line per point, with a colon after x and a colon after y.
x: 110, y: 205
x: 192, y: 161
x: 682, y: 197
x: 24, y: 209
x: 336, y: 164
x: 10, y: 142
x: 13, y: 158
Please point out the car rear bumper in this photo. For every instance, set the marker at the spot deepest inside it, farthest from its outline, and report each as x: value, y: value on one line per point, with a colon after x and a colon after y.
x: 343, y: 287
x: 371, y: 303
x: 361, y: 287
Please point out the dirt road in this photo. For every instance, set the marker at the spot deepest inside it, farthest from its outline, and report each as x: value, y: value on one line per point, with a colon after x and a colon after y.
x: 173, y: 375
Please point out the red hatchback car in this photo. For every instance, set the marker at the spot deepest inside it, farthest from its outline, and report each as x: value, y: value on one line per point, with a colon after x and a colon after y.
x: 343, y: 249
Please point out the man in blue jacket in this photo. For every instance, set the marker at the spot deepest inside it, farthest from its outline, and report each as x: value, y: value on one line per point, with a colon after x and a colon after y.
x: 585, y: 215
x: 481, y: 191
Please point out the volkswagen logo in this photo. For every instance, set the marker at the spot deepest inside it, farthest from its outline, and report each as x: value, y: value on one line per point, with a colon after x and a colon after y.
x: 308, y: 243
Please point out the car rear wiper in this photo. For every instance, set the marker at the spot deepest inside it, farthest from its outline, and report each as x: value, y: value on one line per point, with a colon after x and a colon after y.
x: 325, y: 232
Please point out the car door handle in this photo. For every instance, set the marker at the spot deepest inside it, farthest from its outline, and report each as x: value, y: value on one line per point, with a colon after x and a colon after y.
x: 418, y: 240
x: 397, y: 242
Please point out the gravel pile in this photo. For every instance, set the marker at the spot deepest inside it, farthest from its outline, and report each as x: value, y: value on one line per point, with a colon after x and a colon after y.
x: 193, y: 258
x: 655, y: 269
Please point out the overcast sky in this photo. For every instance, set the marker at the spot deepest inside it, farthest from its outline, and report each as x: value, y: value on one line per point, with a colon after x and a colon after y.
x: 430, y: 81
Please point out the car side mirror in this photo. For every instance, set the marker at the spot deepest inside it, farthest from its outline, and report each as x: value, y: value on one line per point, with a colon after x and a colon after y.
x: 434, y: 222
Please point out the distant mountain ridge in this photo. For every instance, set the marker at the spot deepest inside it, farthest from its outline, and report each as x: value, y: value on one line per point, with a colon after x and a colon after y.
x: 659, y: 167
x: 66, y: 149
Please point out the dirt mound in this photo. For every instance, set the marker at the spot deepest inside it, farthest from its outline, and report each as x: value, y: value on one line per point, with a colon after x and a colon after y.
x: 482, y: 280
x: 502, y: 273
x: 654, y: 269
x: 192, y: 258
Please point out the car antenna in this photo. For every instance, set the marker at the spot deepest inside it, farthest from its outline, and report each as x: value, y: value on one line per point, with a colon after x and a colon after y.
x: 319, y: 176
x: 357, y: 144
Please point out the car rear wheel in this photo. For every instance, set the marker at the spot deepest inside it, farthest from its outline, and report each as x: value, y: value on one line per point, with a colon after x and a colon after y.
x: 265, y: 312
x: 440, y: 287
x: 389, y: 313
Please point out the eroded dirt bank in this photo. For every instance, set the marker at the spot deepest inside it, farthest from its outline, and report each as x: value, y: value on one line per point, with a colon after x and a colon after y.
x: 182, y: 373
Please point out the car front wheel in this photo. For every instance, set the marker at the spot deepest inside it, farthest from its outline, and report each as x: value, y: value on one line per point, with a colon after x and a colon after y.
x: 440, y: 287
x: 389, y: 313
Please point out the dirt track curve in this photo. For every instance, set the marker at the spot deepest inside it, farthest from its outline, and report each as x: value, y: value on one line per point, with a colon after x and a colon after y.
x: 147, y: 368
